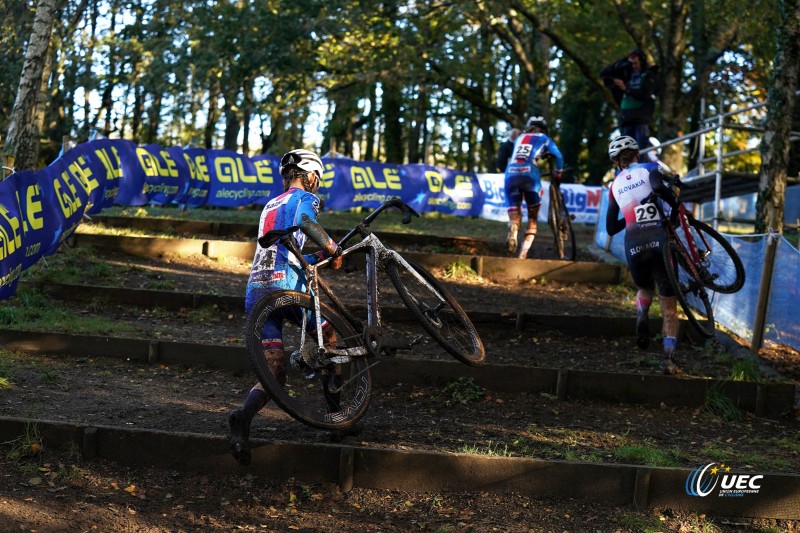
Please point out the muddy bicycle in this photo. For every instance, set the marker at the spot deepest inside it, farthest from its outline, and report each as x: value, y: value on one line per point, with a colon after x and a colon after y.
x: 330, y: 350
x: 559, y: 217
x: 697, y: 259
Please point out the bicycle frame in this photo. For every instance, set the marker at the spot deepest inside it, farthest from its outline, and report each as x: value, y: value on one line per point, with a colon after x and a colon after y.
x: 376, y: 254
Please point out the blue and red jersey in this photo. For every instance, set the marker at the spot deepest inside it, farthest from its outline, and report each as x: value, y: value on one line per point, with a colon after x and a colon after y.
x: 276, y: 268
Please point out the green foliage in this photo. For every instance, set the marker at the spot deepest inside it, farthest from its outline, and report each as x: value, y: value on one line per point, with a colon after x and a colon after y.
x: 30, y: 309
x: 641, y: 524
x: 645, y: 454
x: 463, y: 390
x: 745, y: 370
x: 721, y: 405
x: 459, y: 270
x: 28, y: 444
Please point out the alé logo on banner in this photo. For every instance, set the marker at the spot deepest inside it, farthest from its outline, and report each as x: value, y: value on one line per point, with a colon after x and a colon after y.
x: 705, y: 479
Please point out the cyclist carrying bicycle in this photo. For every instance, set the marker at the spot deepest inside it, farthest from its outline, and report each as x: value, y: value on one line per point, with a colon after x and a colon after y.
x: 645, y: 237
x: 275, y: 269
x: 523, y: 181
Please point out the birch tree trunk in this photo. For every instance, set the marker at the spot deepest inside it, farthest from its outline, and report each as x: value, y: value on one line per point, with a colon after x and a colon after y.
x: 775, y: 145
x: 22, y: 140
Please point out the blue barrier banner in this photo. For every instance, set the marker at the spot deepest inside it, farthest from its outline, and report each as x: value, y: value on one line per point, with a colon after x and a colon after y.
x: 44, y: 208
x: 164, y: 181
x: 236, y: 181
x: 132, y: 179
x: 11, y: 249
x: 37, y: 236
x: 199, y: 180
x: 583, y: 202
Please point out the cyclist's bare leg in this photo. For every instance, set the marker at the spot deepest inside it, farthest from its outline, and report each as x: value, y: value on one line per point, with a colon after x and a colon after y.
x: 514, y: 223
x: 530, y: 231
x: 240, y: 419
x: 669, y: 330
x: 644, y: 298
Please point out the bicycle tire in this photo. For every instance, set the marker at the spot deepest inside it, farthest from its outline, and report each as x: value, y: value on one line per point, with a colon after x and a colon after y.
x: 565, y: 233
x: 554, y: 221
x: 722, y: 268
x: 302, y: 397
x: 438, y: 312
x: 688, y: 289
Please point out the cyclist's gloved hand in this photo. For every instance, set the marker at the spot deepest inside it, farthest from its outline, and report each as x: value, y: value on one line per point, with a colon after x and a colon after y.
x: 557, y: 174
x: 335, y: 251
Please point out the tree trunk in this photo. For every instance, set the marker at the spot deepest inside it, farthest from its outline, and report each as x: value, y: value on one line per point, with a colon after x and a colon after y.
x: 415, y: 145
x: 212, y: 116
x: 393, y: 129
x: 22, y: 140
x: 775, y: 145
x: 369, y: 152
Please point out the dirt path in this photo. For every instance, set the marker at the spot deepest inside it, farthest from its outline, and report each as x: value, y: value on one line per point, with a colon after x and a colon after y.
x: 56, y: 491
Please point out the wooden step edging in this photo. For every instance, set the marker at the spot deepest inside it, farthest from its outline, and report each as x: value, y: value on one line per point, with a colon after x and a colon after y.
x: 765, y: 399
x: 248, y: 231
x: 496, y: 268
x: 415, y: 471
x: 587, y: 326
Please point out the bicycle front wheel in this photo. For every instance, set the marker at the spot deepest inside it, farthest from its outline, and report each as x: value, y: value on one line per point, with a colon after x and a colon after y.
x: 562, y: 227
x: 689, y: 290
x: 438, y: 312
x: 314, y: 390
x: 721, y: 267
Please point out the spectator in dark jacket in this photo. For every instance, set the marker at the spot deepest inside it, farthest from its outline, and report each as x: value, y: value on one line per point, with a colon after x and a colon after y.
x: 633, y: 85
x: 505, y: 150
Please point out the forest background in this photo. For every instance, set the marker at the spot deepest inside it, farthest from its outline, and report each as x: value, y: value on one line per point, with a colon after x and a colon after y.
x: 397, y: 81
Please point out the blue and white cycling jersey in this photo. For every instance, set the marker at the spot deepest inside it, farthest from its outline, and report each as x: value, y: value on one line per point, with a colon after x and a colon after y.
x: 275, y: 268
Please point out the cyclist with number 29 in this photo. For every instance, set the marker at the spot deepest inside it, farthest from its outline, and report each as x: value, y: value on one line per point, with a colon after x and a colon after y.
x: 523, y: 181
x: 645, y: 237
x: 275, y: 269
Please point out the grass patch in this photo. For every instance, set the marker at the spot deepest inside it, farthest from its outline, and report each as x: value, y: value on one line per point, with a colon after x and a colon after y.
x: 721, y: 405
x: 30, y: 309
x: 29, y: 444
x: 647, y: 455
x: 5, y: 372
x: 463, y: 390
x: 491, y: 449
x: 428, y: 223
x: 745, y: 370
x: 459, y: 270
x: 641, y: 524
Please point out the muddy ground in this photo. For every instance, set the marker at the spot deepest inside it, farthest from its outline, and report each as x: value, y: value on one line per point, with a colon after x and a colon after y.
x: 56, y: 491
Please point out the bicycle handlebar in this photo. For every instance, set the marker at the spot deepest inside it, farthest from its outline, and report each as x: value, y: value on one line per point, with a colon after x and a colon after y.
x: 406, y: 209
x: 284, y: 235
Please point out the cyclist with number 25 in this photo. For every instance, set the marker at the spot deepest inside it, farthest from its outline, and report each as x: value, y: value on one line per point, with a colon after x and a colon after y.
x: 645, y: 237
x: 523, y: 181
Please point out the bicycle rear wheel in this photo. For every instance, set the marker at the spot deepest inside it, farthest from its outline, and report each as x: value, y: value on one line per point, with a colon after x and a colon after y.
x: 721, y: 267
x: 322, y: 395
x: 438, y: 312
x: 561, y: 224
x: 689, y: 291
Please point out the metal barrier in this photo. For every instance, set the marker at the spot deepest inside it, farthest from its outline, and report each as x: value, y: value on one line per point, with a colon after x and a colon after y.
x: 718, y: 125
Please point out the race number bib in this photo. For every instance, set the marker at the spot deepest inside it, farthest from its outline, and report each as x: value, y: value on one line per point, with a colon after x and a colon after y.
x: 522, y: 151
x: 646, y: 213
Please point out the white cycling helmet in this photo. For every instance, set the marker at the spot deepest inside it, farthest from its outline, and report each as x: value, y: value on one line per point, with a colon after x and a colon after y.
x: 620, y: 144
x: 300, y: 161
x: 539, y: 122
